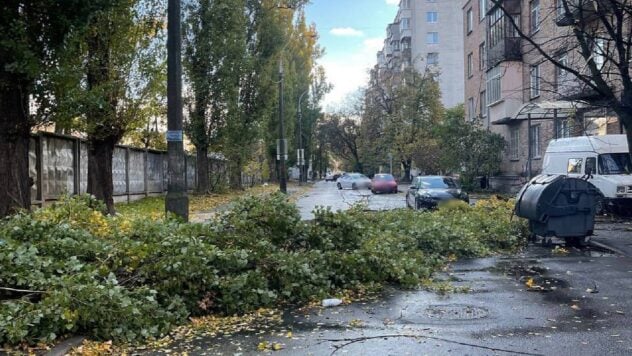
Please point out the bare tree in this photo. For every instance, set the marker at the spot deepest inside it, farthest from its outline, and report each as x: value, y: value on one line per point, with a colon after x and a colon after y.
x: 590, y: 49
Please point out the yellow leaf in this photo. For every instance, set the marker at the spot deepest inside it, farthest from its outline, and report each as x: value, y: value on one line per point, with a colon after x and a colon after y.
x: 277, y: 346
x: 263, y: 345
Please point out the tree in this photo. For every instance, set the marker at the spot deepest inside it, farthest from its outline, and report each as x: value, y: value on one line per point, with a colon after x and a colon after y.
x: 118, y: 64
x: 341, y: 131
x: 33, y: 33
x: 401, y: 110
x: 467, y: 148
x: 215, y: 61
x: 593, y: 47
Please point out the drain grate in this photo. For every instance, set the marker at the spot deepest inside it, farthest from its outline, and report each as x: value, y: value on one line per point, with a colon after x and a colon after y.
x: 456, y: 312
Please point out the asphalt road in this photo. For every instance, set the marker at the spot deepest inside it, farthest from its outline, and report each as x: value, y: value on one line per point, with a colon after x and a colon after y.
x: 583, y: 308
x: 325, y: 194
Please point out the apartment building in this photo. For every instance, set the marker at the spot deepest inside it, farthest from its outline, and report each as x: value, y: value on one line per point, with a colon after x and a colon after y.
x: 423, y: 35
x: 511, y: 89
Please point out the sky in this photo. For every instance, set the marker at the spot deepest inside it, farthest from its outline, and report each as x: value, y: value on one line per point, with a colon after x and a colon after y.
x: 351, y: 32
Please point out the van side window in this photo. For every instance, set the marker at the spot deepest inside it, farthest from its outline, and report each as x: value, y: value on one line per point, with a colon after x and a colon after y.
x: 591, y: 164
x: 574, y: 165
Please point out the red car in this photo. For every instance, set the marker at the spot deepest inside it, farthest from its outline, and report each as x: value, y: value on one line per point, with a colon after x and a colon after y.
x: 383, y: 183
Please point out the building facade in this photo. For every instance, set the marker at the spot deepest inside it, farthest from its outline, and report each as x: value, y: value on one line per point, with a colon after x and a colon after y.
x: 511, y: 89
x: 423, y: 36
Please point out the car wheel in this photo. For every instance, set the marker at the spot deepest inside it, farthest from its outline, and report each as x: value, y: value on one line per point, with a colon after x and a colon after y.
x: 354, y: 186
x: 339, y: 186
x: 418, y: 205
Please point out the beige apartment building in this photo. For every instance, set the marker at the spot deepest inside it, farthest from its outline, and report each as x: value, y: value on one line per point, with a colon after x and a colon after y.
x: 512, y: 90
x: 424, y: 35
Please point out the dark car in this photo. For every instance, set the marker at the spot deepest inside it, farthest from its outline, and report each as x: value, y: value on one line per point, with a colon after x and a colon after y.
x: 426, y: 192
x: 383, y: 183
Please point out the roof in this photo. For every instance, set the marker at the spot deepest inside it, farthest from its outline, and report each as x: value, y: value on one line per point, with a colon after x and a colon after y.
x: 599, y: 144
x: 544, y: 110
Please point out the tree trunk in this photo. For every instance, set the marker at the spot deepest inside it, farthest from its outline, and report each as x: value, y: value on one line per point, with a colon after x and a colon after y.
x: 201, y: 165
x: 15, y: 130
x: 100, y: 152
x: 406, y: 163
x: 235, y: 174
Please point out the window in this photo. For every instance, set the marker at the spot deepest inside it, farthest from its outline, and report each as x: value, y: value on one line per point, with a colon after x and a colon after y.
x: 432, y: 58
x: 482, y: 9
x: 534, y: 8
x: 561, y: 74
x: 395, y: 45
x: 599, y: 53
x: 481, y: 56
x: 405, y: 4
x: 512, y: 31
x: 563, y: 129
x: 469, y: 65
x: 574, y: 165
x: 514, y: 141
x: 591, y: 164
x: 432, y: 38
x: 535, y: 141
x: 470, y: 20
x: 471, y: 109
x: 559, y: 8
x: 431, y: 16
x: 493, y: 85
x: 405, y: 23
x: 534, y: 75
x: 405, y: 44
x: 483, y: 104
x: 495, y: 32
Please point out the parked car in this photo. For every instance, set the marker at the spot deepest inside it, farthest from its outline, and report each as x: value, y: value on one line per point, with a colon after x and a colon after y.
x: 426, y: 192
x: 353, y: 181
x: 383, y: 183
x: 332, y: 177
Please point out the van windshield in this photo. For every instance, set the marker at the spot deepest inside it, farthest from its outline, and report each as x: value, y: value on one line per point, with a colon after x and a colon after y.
x: 615, y: 163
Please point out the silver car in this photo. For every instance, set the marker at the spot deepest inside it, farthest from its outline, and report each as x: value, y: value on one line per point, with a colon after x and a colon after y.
x: 353, y: 181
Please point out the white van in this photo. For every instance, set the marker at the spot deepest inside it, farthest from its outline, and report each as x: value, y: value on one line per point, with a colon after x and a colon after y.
x: 606, y: 158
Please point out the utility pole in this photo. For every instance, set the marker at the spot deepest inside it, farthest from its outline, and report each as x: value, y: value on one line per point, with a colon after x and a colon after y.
x: 301, y: 151
x: 281, y: 147
x: 177, y: 201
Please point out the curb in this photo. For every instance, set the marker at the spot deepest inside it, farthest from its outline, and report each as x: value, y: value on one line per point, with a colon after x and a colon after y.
x: 62, y: 348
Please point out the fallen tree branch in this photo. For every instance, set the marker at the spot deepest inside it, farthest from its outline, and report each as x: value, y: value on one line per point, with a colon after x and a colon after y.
x: 349, y: 341
x: 23, y: 290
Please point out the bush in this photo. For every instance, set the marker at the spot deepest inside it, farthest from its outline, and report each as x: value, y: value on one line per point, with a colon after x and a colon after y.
x: 70, y: 269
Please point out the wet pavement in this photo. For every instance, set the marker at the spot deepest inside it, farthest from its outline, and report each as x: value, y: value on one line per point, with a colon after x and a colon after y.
x: 325, y: 194
x: 553, y: 300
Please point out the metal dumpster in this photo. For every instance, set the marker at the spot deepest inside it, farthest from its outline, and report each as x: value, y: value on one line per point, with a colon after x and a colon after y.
x: 559, y: 206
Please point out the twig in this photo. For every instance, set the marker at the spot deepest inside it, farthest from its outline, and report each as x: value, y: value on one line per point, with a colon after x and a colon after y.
x: 350, y: 341
x: 23, y: 290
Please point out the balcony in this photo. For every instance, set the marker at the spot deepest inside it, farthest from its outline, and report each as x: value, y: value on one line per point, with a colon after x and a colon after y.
x: 579, y: 11
x: 508, y: 49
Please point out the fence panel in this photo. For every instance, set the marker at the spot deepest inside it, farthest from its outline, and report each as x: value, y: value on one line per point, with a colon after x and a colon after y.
x: 57, y: 167
x: 190, y: 172
x: 118, y: 171
x: 154, y: 172
x: 83, y: 170
x: 136, y: 172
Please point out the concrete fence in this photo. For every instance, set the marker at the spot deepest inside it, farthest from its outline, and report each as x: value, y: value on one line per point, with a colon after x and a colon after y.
x: 58, y: 165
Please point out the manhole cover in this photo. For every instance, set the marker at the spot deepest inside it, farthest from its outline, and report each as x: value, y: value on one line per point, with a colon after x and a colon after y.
x: 456, y: 312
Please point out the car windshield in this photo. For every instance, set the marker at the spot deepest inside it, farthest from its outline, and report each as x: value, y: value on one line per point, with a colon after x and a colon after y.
x: 358, y: 176
x: 437, y: 183
x: 383, y: 177
x: 615, y: 163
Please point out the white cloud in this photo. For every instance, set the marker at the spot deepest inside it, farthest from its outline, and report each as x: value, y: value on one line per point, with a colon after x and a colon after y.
x: 392, y: 2
x: 346, y: 32
x: 349, y: 72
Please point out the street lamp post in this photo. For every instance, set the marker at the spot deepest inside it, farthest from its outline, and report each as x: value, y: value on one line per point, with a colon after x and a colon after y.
x: 281, y: 147
x: 301, y: 153
x: 177, y: 201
